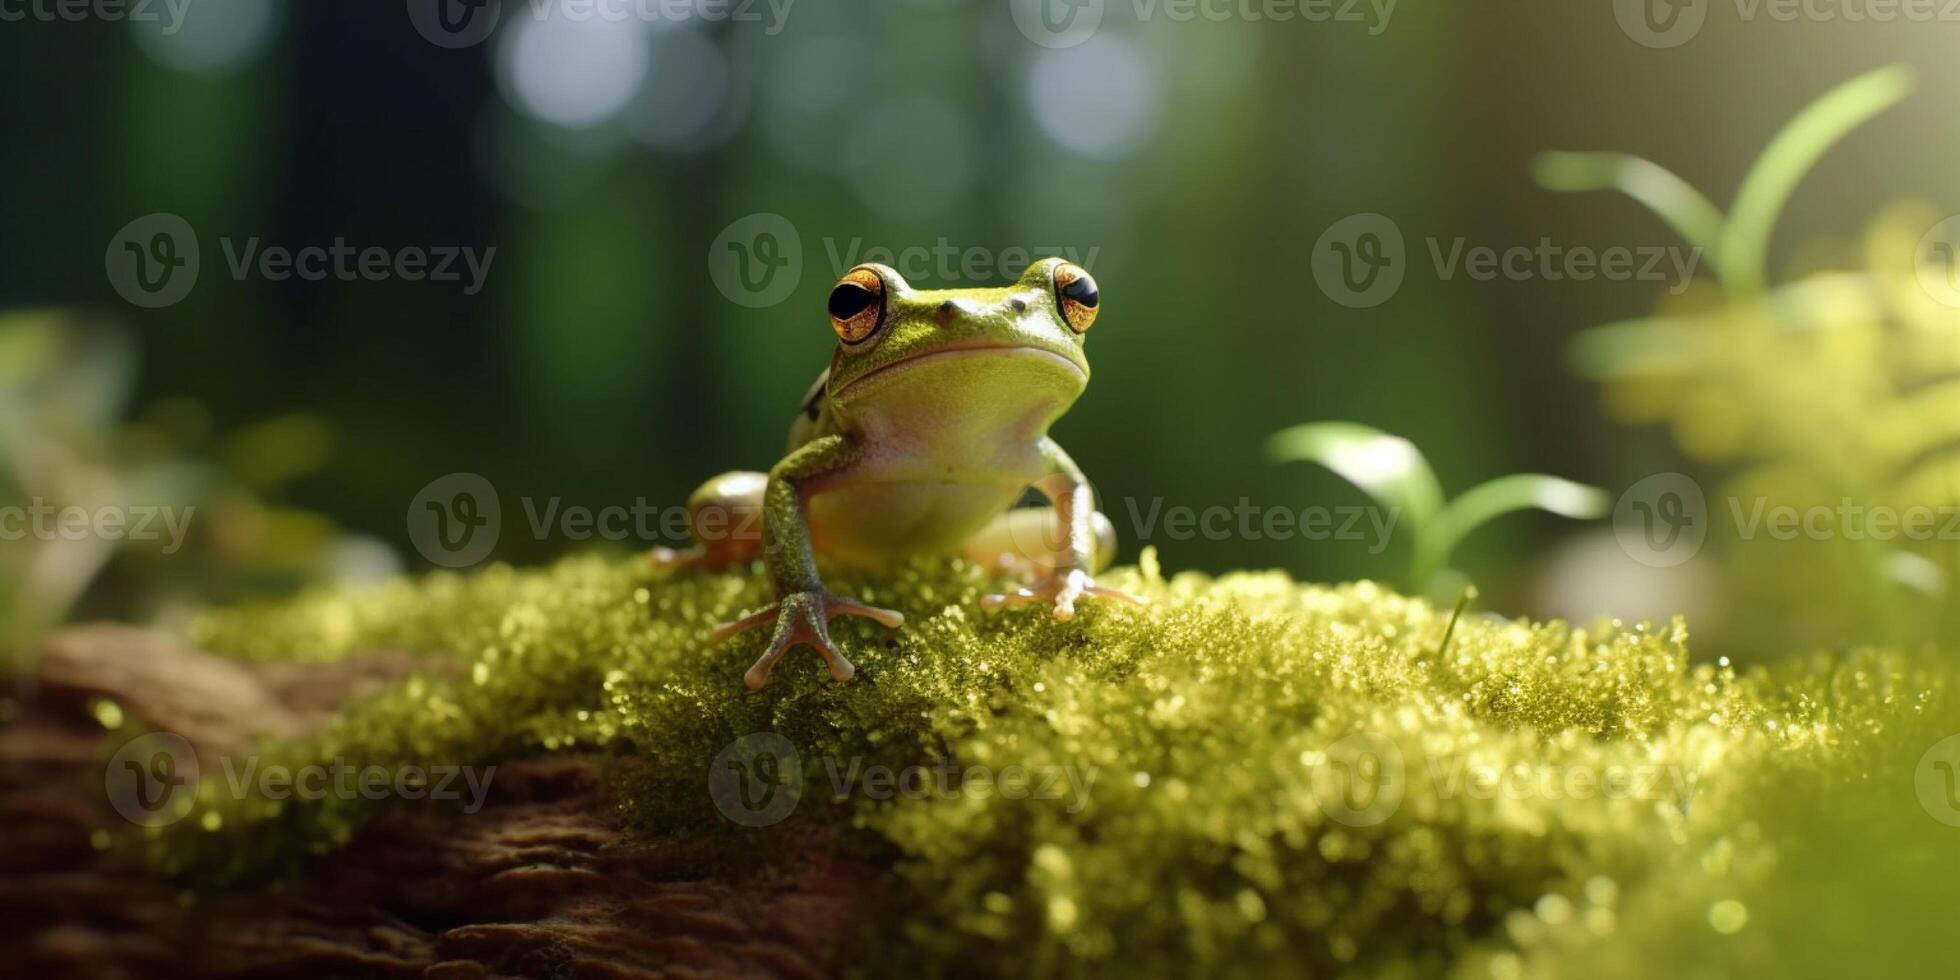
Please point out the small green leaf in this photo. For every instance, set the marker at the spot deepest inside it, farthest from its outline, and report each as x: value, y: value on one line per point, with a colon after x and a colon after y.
x: 1692, y: 216
x: 1487, y: 501
x: 1797, y: 147
x: 1390, y: 468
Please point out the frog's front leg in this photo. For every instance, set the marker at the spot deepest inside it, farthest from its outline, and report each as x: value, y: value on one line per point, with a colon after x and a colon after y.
x: 803, y: 608
x: 1087, y: 543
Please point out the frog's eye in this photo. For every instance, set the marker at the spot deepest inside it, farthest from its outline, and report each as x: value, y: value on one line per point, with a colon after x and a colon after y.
x: 1075, y: 293
x: 856, y: 304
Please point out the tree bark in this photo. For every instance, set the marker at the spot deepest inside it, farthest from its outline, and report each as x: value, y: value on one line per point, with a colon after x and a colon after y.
x: 542, y: 881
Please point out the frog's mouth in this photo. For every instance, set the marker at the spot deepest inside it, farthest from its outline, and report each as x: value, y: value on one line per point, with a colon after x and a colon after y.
x: 938, y: 355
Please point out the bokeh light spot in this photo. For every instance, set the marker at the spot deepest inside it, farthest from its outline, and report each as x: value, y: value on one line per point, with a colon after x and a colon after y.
x: 573, y: 73
x: 1102, y: 99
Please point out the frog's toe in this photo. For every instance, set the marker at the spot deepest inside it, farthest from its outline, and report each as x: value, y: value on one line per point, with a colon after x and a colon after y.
x: 804, y: 619
x: 799, y: 630
x: 1063, y: 591
x: 767, y: 614
x: 888, y: 618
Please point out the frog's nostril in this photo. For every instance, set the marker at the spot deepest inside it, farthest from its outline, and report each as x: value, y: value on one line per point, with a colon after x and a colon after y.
x: 1019, y: 305
x: 946, y: 312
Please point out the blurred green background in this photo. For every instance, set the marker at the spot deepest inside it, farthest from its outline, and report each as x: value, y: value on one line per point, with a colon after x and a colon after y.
x: 1192, y: 163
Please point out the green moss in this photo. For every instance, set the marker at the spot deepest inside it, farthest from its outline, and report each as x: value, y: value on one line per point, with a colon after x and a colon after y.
x: 1209, y: 832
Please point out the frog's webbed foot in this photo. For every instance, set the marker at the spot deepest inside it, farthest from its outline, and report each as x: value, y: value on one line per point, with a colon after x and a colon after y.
x: 804, y: 618
x: 1063, y: 589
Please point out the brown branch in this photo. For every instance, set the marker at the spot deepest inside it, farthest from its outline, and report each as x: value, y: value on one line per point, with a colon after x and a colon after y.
x: 543, y: 881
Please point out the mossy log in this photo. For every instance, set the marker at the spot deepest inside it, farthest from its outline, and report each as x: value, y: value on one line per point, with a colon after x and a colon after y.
x: 541, y: 882
x: 1275, y: 779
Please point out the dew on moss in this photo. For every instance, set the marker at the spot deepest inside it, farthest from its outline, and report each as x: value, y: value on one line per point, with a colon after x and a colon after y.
x: 1197, y: 834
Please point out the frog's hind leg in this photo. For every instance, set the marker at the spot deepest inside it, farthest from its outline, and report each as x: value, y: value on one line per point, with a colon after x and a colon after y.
x: 1032, y: 540
x: 724, y: 517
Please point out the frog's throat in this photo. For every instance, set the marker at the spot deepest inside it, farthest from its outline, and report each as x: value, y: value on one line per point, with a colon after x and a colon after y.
x: 977, y: 349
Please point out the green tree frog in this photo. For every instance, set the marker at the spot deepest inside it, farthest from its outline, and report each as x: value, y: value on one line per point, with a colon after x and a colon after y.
x: 920, y: 438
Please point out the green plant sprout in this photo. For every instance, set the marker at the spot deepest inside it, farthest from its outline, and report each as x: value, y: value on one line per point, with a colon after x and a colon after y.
x: 1736, y: 244
x: 1835, y: 386
x: 1392, y: 471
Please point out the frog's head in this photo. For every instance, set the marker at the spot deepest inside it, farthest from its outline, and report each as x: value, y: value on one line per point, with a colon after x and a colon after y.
x: 1010, y: 342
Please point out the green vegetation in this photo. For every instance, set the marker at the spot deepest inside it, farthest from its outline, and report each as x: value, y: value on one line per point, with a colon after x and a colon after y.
x: 1392, y: 470
x: 1567, y: 802
x: 1831, y: 394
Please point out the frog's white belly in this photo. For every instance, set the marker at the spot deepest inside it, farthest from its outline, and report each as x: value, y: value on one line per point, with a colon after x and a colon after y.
x: 874, y: 522
x: 944, y: 446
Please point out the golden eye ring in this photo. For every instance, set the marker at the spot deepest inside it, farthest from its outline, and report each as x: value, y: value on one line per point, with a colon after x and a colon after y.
x: 857, y: 304
x: 1076, y: 295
